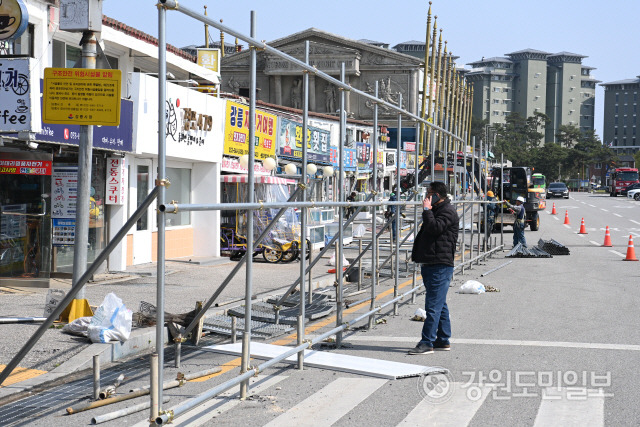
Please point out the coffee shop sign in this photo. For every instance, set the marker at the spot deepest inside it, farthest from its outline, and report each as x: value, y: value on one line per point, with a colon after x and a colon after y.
x: 14, y: 19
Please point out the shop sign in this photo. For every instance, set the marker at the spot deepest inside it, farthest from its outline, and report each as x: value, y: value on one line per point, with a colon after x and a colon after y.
x: 19, y: 109
x: 380, y: 157
x: 290, y: 141
x: 231, y: 164
x: 25, y: 167
x: 81, y: 96
x: 411, y: 161
x: 116, y: 181
x: 363, y: 154
x: 409, y: 146
x: 390, y: 160
x: 349, y: 160
x: 14, y: 19
x: 209, y: 59
x: 64, y: 197
x: 403, y: 160
x: 236, y: 132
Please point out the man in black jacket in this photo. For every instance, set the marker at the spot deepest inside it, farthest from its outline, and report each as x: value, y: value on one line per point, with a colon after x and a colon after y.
x: 434, y: 248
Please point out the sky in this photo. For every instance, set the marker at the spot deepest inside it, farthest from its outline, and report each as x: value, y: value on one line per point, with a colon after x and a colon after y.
x: 606, y: 32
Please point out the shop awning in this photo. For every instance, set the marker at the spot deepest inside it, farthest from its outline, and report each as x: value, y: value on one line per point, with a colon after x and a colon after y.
x: 259, y: 179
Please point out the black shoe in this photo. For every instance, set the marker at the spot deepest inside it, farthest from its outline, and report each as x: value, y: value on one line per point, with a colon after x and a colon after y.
x: 421, y: 348
x: 441, y: 347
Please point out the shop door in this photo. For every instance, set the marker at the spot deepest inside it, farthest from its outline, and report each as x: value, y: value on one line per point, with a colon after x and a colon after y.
x: 142, y: 236
x: 25, y: 219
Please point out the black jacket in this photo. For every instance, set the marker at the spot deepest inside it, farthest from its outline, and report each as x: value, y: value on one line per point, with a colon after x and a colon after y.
x: 437, y: 238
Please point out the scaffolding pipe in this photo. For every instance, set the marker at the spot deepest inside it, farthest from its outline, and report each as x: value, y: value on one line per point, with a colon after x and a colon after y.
x: 303, y: 212
x: 341, y: 175
x: 396, y: 216
x: 162, y: 182
x: 153, y: 386
x: 102, y: 256
x: 96, y: 377
x: 180, y: 7
x: 246, y: 338
x: 374, y: 214
x: 124, y: 412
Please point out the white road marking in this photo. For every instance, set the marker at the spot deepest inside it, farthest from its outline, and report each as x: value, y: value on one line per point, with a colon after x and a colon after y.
x: 594, y: 243
x: 458, y: 410
x: 571, y: 406
x: 634, y: 221
x: 604, y: 210
x: 618, y: 215
x: 580, y: 235
x: 593, y: 206
x: 204, y: 413
x: 567, y: 225
x: 562, y: 344
x: 617, y: 253
x: 556, y: 218
x: 330, y: 403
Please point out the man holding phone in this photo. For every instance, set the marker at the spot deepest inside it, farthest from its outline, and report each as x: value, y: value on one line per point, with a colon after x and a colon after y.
x: 434, y: 248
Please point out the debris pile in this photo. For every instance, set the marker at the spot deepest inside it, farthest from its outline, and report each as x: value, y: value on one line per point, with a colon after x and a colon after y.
x: 520, y: 251
x: 552, y: 247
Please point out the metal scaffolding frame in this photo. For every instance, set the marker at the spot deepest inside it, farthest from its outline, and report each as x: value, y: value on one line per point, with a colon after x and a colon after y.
x: 435, y: 132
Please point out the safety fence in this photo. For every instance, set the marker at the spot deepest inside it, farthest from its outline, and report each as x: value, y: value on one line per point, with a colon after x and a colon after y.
x: 448, y: 128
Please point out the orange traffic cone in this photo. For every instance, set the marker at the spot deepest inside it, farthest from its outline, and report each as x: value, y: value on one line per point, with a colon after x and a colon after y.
x: 553, y: 211
x: 583, y: 229
x: 631, y: 252
x: 607, y: 238
x: 566, y: 218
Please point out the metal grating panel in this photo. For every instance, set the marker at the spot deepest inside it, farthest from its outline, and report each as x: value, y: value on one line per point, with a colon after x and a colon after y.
x: 260, y: 330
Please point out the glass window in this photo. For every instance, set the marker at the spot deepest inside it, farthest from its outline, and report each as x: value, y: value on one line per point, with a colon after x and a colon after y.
x: 73, y: 55
x: 179, y: 190
x: 143, y: 181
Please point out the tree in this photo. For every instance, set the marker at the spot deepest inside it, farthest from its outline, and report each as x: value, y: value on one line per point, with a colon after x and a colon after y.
x: 478, y: 128
x: 568, y: 135
x: 518, y: 136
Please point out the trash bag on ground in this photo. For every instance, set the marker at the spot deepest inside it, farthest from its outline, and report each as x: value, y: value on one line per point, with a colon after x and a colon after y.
x: 471, y: 287
x: 420, y: 315
x: 359, y: 230
x: 332, y: 260
x: 78, y: 327
x: 111, y: 321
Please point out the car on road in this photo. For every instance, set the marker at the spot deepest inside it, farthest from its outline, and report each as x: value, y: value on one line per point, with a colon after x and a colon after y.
x: 557, y: 189
x: 628, y: 188
x: 634, y: 194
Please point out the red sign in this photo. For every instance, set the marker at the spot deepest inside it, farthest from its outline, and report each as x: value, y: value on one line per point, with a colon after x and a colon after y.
x: 25, y: 167
x: 116, y: 181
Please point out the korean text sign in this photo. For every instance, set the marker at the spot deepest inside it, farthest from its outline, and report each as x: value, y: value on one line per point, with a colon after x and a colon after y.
x: 290, y: 141
x: 116, y: 181
x: 81, y: 96
x: 236, y: 132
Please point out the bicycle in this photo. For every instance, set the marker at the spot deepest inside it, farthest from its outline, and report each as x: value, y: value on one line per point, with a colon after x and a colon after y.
x: 19, y: 83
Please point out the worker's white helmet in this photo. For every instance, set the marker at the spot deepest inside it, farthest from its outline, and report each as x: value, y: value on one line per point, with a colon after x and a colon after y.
x: 520, y: 199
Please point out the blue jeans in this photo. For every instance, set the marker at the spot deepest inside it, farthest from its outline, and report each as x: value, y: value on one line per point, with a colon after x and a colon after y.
x: 437, y: 326
x: 393, y: 229
x: 518, y: 234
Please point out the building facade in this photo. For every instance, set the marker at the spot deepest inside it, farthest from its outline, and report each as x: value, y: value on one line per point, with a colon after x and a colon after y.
x: 620, y: 130
x: 531, y: 81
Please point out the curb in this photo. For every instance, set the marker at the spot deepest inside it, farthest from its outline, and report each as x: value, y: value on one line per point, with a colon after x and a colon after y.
x: 139, y: 340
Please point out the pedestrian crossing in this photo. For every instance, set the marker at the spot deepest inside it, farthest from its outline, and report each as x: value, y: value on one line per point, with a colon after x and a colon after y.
x: 452, y: 404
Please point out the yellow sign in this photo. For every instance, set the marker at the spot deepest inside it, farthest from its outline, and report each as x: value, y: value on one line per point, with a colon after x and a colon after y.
x: 208, y: 58
x: 236, y: 132
x: 81, y: 96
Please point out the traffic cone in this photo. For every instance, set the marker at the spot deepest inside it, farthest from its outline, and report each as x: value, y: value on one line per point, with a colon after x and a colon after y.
x: 566, y: 218
x: 631, y: 252
x: 553, y: 211
x: 583, y: 229
x: 607, y: 238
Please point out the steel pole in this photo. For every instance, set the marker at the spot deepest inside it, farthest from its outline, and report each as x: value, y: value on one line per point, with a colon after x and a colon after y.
x: 304, y: 182
x: 374, y: 216
x: 161, y: 181
x: 154, y: 385
x: 85, y: 152
x: 396, y: 226
x: 340, y: 241
x: 96, y: 377
x: 473, y: 188
x: 501, y: 199
x: 246, y: 339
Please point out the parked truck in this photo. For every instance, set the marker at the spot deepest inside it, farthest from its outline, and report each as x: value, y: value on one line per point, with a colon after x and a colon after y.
x: 620, y: 179
x: 516, y: 182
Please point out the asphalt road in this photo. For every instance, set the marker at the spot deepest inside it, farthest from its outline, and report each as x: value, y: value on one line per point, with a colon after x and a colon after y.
x: 557, y: 345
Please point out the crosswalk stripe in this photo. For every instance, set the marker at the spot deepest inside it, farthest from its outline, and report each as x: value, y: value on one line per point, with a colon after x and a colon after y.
x: 458, y: 410
x: 571, y: 407
x: 329, y: 404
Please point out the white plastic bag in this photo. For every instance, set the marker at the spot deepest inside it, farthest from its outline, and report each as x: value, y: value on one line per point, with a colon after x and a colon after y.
x: 472, y: 287
x: 359, y: 230
x: 111, y: 321
x: 332, y: 260
x: 78, y: 327
x: 420, y: 315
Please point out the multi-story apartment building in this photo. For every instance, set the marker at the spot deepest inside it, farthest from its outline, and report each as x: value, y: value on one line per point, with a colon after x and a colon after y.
x: 531, y: 81
x: 621, y: 115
